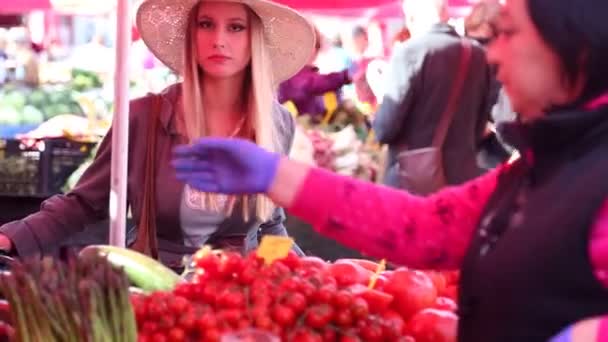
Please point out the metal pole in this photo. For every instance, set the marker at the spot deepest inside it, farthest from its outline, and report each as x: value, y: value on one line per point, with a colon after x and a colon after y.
x: 120, y: 128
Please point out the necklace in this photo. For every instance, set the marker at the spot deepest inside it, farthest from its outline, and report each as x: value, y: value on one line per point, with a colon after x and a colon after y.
x: 199, y: 200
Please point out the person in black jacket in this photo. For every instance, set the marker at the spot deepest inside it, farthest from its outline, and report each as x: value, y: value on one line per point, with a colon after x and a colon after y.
x: 420, y: 78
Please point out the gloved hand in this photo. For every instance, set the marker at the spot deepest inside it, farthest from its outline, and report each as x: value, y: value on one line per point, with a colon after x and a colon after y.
x: 586, y: 330
x: 564, y: 336
x: 227, y: 166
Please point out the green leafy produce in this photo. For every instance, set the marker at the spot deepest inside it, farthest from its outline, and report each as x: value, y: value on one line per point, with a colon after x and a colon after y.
x: 31, y: 116
x: 15, y: 99
x: 8, y: 115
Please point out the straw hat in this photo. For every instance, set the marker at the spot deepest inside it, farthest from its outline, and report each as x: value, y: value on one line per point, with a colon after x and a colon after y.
x: 289, y: 36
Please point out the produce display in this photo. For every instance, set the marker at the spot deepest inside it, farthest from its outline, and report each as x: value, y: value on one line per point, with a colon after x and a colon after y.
x: 300, y: 299
x: 113, y: 294
x: 77, y: 300
x: 344, y: 152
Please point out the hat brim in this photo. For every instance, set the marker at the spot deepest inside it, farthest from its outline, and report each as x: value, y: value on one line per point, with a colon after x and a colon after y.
x: 289, y: 36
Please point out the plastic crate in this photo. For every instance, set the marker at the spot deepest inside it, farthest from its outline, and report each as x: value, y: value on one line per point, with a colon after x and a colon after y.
x: 39, y: 168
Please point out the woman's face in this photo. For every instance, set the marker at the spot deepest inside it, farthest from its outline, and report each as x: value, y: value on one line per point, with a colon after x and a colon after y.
x: 223, y: 39
x: 530, y: 71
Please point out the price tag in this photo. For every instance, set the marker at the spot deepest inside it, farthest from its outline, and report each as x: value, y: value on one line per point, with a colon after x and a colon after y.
x: 381, y: 267
x: 274, y: 247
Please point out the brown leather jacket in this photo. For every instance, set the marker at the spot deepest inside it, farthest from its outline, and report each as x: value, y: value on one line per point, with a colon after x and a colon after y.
x: 64, y: 215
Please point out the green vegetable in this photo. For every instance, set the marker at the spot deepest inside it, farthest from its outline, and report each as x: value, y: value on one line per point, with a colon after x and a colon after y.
x: 143, y: 271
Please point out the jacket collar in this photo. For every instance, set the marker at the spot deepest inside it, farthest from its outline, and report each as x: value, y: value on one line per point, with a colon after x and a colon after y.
x: 558, y: 132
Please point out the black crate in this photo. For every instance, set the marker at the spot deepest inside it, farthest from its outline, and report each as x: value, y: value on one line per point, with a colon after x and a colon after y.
x: 39, y: 168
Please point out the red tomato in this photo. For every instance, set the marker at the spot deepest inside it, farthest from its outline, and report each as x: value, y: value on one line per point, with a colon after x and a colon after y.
x: 313, y: 262
x: 377, y: 301
x: 362, y: 274
x: 344, y: 317
x: 263, y: 322
x: 158, y: 337
x: 392, y: 324
x: 304, y: 335
x: 432, y: 325
x: 452, y: 277
x: 438, y: 280
x: 413, y: 291
x: 292, y: 260
x: 283, y: 315
x: 342, y: 299
x: 346, y: 274
x: 445, y: 303
x: 367, y: 264
x: 176, y: 335
x: 371, y: 332
x: 360, y: 308
x: 296, y: 301
x: 319, y: 316
x: 451, y: 292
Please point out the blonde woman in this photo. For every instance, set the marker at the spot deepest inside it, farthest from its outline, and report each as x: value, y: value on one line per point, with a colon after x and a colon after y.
x: 231, y: 55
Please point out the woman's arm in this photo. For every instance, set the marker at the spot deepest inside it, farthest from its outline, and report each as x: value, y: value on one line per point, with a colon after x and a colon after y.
x: 63, y: 215
x: 431, y: 232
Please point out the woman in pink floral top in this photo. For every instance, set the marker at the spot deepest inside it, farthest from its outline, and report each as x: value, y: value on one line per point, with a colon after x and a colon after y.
x: 530, y: 238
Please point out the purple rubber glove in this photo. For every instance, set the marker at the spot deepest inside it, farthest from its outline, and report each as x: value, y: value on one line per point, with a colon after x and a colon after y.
x: 227, y: 166
x: 564, y: 336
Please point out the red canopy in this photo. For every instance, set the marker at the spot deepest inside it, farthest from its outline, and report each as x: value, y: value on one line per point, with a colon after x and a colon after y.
x: 363, y: 8
x: 23, y: 6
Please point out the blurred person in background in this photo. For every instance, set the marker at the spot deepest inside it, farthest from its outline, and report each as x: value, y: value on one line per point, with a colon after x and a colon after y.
x: 492, y: 149
x: 307, y: 87
x: 420, y: 78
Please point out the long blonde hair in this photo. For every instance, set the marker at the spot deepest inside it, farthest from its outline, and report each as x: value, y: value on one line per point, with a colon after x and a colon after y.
x: 261, y: 123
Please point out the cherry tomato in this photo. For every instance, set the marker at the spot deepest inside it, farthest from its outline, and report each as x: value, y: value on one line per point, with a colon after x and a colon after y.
x: 393, y: 325
x: 247, y: 275
x: 344, y: 317
x: 158, y: 337
x: 445, y: 303
x: 319, y: 316
x: 283, y: 315
x: 303, y: 335
x: 296, y: 301
x: 263, y: 322
x: 342, y: 299
x: 377, y: 301
x: 179, y: 305
x: 231, y: 299
x: 371, y: 332
x: 360, y: 308
x: 187, y: 321
x: 432, y: 325
x: 150, y: 327
x: 176, y: 335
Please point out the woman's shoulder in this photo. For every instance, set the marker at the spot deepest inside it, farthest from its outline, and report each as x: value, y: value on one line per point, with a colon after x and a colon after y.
x: 140, y: 108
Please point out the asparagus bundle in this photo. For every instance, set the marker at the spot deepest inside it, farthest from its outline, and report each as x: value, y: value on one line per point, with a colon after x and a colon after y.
x: 69, y: 301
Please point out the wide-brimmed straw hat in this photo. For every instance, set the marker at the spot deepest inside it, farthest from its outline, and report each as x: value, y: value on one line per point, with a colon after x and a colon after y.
x: 289, y: 36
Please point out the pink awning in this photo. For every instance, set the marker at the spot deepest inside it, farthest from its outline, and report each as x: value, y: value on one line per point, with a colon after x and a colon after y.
x: 23, y: 6
x: 364, y: 8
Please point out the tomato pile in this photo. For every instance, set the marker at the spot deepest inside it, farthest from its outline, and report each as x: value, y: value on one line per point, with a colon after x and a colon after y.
x: 301, y: 299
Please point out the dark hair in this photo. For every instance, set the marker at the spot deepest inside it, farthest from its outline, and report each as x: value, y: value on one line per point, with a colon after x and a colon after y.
x: 359, y: 31
x: 577, y: 31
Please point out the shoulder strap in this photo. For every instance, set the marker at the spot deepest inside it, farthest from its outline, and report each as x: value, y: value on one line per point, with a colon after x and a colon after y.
x: 147, y: 241
x: 450, y: 108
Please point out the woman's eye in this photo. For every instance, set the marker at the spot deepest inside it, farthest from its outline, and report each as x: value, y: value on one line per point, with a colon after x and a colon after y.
x: 205, y: 24
x: 236, y: 27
